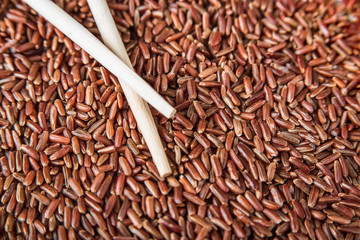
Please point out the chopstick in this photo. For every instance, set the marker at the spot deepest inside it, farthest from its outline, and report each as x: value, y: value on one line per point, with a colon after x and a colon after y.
x: 139, y: 107
x: 82, y: 37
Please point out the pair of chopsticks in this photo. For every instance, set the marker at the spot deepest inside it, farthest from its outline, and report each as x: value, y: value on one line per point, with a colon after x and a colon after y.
x: 114, y: 57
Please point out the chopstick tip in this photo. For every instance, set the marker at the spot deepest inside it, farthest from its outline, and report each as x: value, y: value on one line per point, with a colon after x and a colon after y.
x: 172, y: 113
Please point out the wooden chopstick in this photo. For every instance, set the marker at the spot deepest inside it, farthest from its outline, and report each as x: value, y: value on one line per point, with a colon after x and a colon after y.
x: 82, y: 37
x: 139, y: 107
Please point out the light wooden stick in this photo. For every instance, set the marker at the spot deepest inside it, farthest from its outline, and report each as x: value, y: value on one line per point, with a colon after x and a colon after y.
x: 139, y: 107
x: 82, y: 37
